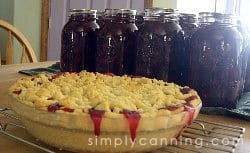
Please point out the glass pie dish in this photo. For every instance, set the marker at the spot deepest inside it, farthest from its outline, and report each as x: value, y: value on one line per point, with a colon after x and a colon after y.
x: 91, y: 131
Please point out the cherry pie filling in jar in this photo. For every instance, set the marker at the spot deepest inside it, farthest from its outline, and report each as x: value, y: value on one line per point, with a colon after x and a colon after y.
x: 116, y: 42
x: 78, y: 41
x: 216, y: 61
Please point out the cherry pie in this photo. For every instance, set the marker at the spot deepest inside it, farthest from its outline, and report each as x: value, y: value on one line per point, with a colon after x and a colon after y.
x: 75, y: 111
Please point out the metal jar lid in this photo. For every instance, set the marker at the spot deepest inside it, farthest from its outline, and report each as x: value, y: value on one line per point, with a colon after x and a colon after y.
x: 120, y: 12
x: 84, y: 12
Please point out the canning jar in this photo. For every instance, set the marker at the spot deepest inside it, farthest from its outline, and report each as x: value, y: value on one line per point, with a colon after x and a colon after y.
x: 175, y: 40
x: 247, y: 78
x: 152, y: 58
x: 116, y: 42
x: 189, y: 24
x: 139, y: 21
x: 100, y: 18
x: 78, y: 41
x: 246, y: 46
x: 216, y: 61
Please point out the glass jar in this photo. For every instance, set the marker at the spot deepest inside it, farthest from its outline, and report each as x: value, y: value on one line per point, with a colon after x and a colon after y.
x: 152, y: 59
x: 175, y: 38
x: 100, y: 18
x: 116, y: 42
x: 189, y: 24
x: 78, y: 41
x: 246, y: 47
x: 139, y: 21
x: 247, y: 78
x: 216, y: 61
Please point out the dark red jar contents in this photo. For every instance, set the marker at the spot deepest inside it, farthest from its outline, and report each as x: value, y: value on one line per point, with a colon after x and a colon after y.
x: 78, y: 41
x: 246, y: 62
x: 175, y: 47
x: 216, y: 63
x: 247, y: 78
x: 152, y: 59
x: 189, y: 24
x: 116, y: 43
x: 133, y: 119
x: 96, y: 116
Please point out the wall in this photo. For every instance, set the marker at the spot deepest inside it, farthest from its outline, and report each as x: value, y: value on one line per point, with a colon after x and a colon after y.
x: 27, y: 18
x: 165, y: 3
x: 6, y: 13
x: 25, y: 15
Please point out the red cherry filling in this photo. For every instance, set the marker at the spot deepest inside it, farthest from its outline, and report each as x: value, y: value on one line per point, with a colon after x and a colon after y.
x: 110, y: 74
x: 135, y: 76
x: 68, y: 110
x: 189, y: 99
x: 189, y: 108
x: 39, y: 83
x: 96, y: 116
x: 56, y: 106
x: 191, y: 112
x: 18, y: 92
x: 133, y: 119
x: 179, y: 133
x: 56, y: 76
x: 172, y: 108
x: 185, y: 90
x: 53, y: 107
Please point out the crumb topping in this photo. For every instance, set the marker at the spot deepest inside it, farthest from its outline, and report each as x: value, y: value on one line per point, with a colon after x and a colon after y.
x: 78, y: 92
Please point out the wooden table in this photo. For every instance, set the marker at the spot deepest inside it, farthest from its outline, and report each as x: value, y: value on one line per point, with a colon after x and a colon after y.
x: 8, y: 74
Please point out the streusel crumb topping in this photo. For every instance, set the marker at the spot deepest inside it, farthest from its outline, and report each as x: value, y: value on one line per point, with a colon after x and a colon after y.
x: 78, y: 92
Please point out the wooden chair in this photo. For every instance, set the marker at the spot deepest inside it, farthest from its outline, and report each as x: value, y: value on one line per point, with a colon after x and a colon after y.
x: 27, y: 50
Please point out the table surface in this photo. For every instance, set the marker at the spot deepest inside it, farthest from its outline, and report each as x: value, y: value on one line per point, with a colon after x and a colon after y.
x: 8, y: 75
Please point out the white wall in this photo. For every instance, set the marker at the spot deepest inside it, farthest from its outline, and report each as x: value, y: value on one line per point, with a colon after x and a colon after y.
x: 25, y: 15
x: 165, y: 3
x: 6, y: 13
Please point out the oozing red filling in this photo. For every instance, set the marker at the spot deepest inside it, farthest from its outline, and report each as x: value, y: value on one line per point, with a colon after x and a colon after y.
x: 189, y: 108
x: 18, y: 92
x: 96, y: 116
x: 185, y: 90
x: 133, y: 119
x: 190, y: 111
x: 179, y: 133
